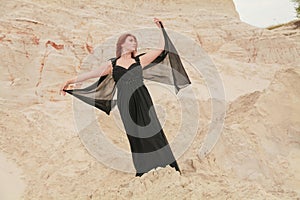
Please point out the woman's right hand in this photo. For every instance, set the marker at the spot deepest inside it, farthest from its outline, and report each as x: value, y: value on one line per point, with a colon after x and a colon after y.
x: 156, y: 21
x: 64, y: 87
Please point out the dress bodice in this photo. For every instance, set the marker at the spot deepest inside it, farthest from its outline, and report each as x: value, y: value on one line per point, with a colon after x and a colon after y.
x: 124, y: 76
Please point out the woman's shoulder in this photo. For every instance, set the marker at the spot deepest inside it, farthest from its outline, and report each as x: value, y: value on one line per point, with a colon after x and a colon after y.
x: 137, y: 57
x: 112, y: 61
x: 140, y: 54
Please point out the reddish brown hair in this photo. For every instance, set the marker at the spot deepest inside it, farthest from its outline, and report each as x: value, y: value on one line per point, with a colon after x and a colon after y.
x: 121, y: 41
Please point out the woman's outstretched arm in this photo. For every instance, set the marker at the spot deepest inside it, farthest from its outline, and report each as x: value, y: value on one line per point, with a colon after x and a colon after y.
x: 100, y: 71
x: 148, y: 57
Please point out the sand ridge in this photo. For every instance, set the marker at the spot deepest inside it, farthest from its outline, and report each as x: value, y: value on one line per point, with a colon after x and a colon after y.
x: 257, y: 156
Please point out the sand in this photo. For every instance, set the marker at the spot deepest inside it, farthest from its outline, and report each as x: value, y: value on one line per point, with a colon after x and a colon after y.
x: 257, y: 155
x: 12, y: 185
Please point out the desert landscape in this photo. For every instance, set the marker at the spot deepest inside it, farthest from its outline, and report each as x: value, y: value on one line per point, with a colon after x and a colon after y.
x: 42, y: 44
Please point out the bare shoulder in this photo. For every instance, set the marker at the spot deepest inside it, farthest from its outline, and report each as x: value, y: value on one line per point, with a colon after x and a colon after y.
x: 107, y: 67
x: 147, y: 58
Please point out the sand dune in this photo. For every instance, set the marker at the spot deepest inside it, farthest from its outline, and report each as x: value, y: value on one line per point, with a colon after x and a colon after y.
x: 42, y: 157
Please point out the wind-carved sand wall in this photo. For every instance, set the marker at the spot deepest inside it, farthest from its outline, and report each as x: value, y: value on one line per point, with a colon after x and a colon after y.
x: 257, y: 156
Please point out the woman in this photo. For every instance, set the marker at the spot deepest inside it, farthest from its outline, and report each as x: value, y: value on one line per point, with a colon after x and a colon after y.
x: 148, y: 144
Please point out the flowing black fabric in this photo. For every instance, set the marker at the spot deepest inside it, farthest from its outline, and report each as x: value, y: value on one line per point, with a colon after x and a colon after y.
x: 167, y: 68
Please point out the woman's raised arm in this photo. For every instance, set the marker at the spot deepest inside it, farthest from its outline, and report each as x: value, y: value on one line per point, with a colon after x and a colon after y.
x: 100, y: 71
x: 148, y: 57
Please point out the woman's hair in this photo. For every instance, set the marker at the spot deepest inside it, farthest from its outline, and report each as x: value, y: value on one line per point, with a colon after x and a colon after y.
x: 121, y: 40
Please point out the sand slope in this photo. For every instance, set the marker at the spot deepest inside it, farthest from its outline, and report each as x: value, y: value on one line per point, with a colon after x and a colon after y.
x: 42, y: 45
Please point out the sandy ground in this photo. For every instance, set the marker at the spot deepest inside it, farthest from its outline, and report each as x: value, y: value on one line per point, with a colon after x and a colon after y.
x: 42, y: 156
x: 12, y: 186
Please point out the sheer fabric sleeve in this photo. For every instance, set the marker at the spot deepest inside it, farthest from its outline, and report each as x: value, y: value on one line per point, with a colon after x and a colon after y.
x: 100, y: 94
x: 167, y: 68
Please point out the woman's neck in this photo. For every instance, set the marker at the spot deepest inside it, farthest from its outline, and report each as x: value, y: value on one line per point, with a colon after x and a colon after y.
x: 126, y: 56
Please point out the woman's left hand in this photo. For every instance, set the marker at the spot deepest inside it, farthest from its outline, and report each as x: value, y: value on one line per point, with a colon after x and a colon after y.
x: 156, y: 21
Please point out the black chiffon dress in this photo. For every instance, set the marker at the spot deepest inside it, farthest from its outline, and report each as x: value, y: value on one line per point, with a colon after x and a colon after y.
x: 148, y: 143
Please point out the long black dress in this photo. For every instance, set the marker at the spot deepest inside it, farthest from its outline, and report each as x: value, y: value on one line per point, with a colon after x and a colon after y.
x: 148, y: 143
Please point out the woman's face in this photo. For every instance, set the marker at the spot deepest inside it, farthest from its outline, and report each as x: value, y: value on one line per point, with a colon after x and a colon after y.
x: 129, y: 45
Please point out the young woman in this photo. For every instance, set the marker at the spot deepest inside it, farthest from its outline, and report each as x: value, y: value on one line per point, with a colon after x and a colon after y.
x: 148, y: 143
